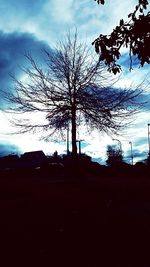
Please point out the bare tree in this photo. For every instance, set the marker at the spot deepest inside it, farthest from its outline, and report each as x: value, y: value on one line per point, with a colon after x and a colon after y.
x: 71, y: 88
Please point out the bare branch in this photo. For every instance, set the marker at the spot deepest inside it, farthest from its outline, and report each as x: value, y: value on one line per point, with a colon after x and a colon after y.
x: 73, y: 88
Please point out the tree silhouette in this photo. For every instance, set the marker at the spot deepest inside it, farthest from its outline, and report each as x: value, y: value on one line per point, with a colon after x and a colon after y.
x: 114, y: 155
x: 70, y: 89
x: 133, y: 34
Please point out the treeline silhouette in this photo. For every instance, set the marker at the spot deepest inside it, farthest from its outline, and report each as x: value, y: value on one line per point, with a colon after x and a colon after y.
x: 67, y: 167
x: 74, y: 213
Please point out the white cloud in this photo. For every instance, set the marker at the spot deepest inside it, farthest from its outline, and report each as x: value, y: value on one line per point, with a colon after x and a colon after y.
x: 26, y: 142
x: 61, y: 12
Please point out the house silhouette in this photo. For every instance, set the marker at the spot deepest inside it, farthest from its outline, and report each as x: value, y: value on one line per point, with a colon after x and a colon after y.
x: 33, y: 159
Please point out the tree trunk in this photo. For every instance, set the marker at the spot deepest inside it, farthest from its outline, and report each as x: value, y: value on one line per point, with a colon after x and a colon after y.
x: 74, y: 145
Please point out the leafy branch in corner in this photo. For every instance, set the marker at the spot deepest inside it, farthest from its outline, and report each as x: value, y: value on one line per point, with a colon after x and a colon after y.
x: 134, y: 35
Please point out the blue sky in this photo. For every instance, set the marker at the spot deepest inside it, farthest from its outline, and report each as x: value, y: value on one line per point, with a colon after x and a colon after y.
x: 30, y: 25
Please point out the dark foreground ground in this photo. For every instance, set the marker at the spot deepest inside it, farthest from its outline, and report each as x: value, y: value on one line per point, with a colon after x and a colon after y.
x: 74, y: 219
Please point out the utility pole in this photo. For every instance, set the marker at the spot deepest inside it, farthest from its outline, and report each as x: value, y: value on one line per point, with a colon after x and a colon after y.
x: 131, y: 152
x: 68, y: 140
x: 149, y: 139
x: 79, y: 141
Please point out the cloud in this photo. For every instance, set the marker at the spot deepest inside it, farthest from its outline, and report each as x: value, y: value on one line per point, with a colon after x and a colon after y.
x: 45, y: 18
x: 8, y: 148
x: 14, y: 11
x: 49, y: 19
x: 61, y: 12
x: 25, y: 23
x: 141, y: 141
x: 13, y: 47
x: 99, y: 160
x: 31, y: 6
x: 139, y: 155
x: 94, y: 19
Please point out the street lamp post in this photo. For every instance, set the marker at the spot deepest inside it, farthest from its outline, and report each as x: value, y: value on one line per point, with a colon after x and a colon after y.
x: 119, y: 143
x: 149, y: 139
x: 131, y: 146
x: 131, y: 152
x: 68, y: 140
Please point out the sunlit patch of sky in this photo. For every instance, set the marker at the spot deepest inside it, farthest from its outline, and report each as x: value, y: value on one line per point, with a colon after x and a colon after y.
x: 30, y: 25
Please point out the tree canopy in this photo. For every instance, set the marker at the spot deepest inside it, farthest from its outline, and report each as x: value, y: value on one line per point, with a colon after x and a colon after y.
x: 133, y: 34
x: 114, y: 155
x: 70, y: 89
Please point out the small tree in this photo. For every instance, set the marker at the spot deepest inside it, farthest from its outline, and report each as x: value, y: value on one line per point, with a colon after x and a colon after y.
x: 114, y: 155
x: 71, y: 88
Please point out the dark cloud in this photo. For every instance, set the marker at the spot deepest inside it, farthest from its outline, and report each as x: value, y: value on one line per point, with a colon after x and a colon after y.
x: 137, y: 155
x: 140, y: 154
x: 124, y: 61
x: 7, y: 149
x: 13, y: 47
x: 145, y: 99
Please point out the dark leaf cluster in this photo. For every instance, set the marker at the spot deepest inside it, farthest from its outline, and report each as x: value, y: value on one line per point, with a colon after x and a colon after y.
x: 134, y: 35
x: 102, y: 2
